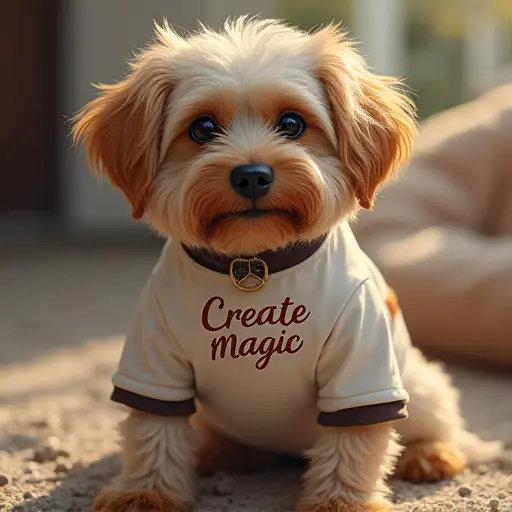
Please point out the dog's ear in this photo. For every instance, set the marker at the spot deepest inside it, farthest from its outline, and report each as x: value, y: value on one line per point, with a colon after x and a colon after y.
x: 374, y: 120
x: 122, y: 128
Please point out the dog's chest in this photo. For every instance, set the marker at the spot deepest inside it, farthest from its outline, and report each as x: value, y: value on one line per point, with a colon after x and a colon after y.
x: 241, y: 340
x: 255, y: 355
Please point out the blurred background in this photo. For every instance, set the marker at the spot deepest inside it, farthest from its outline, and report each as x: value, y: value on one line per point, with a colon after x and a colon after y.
x: 72, y: 261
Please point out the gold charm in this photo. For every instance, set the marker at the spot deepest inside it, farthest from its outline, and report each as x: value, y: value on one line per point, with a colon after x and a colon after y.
x: 248, y: 275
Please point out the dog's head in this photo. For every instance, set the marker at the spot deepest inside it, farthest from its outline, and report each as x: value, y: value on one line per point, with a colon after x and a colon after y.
x: 248, y: 139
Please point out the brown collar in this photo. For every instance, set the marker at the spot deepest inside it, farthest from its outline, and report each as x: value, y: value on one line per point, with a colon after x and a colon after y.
x: 275, y: 260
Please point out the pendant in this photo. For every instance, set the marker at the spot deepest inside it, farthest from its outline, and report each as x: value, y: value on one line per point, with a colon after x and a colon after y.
x: 248, y: 275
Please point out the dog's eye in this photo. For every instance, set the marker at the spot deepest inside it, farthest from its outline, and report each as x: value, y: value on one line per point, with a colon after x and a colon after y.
x: 203, y: 129
x: 291, y: 125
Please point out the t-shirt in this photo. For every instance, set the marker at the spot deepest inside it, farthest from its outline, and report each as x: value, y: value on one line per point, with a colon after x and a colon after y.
x: 316, y: 345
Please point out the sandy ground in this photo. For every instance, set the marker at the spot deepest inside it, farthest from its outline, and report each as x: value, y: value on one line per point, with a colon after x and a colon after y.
x: 62, y: 312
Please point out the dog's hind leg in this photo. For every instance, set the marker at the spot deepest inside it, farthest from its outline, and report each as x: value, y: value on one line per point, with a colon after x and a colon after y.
x: 437, y: 445
x: 430, y: 432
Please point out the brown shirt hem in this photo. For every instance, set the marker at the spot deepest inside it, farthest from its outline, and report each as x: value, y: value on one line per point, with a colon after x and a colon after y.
x: 364, y: 415
x: 153, y: 405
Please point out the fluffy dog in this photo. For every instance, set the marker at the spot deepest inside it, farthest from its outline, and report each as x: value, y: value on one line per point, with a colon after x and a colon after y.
x: 250, y: 149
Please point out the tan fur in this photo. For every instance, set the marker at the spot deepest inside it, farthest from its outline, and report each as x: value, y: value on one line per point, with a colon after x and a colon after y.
x: 344, y: 506
x: 123, y: 128
x: 434, y: 412
x: 350, y: 464
x: 137, y: 501
x: 430, y: 461
x: 360, y: 128
x: 373, y: 119
x: 159, y: 455
x: 437, y: 444
x: 392, y: 303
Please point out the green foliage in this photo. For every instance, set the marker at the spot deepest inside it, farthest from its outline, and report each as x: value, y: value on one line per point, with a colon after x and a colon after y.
x: 435, y: 31
x: 434, y: 56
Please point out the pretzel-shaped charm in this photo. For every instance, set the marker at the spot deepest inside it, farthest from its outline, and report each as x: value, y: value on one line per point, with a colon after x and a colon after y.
x: 248, y: 275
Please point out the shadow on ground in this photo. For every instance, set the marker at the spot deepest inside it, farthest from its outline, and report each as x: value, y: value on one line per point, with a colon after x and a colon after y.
x: 57, y: 297
x: 76, y: 491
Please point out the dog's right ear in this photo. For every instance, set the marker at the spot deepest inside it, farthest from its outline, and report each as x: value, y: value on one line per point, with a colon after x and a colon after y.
x: 122, y: 128
x: 374, y: 119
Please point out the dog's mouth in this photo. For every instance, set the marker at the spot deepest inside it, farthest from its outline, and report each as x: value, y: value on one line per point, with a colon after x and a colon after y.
x: 254, y: 213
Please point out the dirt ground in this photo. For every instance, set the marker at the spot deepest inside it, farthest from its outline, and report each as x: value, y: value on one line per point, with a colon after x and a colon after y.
x: 62, y: 312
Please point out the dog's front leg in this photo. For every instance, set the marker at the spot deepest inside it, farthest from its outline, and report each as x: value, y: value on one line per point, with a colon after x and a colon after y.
x: 158, y: 467
x: 348, y: 470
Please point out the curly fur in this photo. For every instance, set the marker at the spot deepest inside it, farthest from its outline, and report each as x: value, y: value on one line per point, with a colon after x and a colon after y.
x: 352, y: 463
x: 159, y: 455
x: 360, y: 130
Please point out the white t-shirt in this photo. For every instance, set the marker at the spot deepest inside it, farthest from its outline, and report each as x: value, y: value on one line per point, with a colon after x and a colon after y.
x: 316, y: 345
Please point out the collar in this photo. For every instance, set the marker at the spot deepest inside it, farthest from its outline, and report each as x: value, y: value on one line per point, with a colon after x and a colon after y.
x: 276, y: 261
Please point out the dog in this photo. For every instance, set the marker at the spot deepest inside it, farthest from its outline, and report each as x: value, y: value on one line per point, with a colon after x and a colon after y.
x: 264, y: 329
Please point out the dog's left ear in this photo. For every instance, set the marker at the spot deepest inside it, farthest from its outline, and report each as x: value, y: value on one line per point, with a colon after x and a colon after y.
x: 122, y: 128
x: 374, y: 121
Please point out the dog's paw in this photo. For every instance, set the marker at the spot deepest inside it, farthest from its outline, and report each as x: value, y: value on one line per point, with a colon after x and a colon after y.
x: 430, y: 462
x: 136, y: 501
x: 348, y: 506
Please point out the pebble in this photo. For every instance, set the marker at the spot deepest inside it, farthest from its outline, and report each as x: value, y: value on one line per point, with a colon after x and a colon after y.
x: 28, y: 495
x: 31, y: 467
x: 224, y: 485
x: 28, y: 454
x: 34, y: 480
x: 47, y: 421
x: 481, y: 469
x: 502, y: 495
x: 63, y: 466
x: 4, y: 480
x: 11, y: 490
x: 49, y: 450
x: 494, y: 504
x: 465, y: 491
x: 34, y: 475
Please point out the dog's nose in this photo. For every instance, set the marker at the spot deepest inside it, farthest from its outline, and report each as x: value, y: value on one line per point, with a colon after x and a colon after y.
x: 252, y: 180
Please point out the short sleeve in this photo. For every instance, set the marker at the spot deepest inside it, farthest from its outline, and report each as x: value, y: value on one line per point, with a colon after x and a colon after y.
x: 358, y: 375
x: 154, y: 374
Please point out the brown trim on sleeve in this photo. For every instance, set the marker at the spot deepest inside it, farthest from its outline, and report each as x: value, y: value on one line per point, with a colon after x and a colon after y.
x: 364, y: 415
x: 153, y: 405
